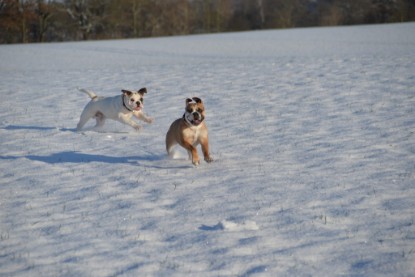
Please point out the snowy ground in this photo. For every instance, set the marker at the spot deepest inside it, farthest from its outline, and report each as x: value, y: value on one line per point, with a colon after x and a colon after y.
x: 312, y: 132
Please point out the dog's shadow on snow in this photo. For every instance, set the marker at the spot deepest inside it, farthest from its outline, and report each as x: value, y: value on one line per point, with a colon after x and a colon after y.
x: 37, y: 128
x: 78, y: 157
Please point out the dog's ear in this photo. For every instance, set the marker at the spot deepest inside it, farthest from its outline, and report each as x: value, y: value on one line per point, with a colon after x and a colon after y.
x: 126, y: 92
x: 188, y: 100
x: 197, y: 100
x: 142, y: 91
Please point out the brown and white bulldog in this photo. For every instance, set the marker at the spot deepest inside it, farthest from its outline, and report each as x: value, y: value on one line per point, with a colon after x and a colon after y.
x: 190, y: 131
x: 120, y: 108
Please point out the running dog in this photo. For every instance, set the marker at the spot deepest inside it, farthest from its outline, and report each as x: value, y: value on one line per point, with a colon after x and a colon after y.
x: 119, y: 108
x: 190, y: 131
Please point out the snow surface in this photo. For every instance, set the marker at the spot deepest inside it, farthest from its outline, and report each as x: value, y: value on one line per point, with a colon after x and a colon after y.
x: 312, y: 132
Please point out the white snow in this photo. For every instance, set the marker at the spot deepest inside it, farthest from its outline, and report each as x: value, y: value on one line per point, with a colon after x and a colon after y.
x: 312, y: 132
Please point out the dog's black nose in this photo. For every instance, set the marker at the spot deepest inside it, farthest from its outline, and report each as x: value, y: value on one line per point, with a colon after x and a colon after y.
x: 196, y: 115
x: 138, y: 103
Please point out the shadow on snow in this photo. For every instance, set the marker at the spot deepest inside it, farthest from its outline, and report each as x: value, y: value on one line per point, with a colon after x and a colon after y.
x: 38, y: 128
x: 77, y: 157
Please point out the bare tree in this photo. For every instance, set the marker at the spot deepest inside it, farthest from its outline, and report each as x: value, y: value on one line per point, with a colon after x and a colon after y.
x: 9, y: 25
x: 260, y: 4
x: 43, y: 13
x: 331, y: 15
x: 79, y: 12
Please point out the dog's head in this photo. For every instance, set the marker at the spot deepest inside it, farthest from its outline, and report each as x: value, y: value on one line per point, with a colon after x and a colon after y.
x: 195, y: 111
x: 134, y: 100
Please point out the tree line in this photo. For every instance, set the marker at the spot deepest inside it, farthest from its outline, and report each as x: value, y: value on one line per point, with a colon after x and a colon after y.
x: 23, y: 21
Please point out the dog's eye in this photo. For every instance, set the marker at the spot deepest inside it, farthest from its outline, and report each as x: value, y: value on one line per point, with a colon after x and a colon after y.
x: 199, y: 110
x: 142, y: 100
x: 131, y: 100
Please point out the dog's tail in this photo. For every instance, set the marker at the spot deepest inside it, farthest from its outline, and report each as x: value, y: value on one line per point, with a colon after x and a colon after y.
x: 91, y: 94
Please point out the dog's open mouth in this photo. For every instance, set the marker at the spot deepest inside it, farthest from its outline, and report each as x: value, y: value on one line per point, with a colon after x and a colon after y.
x: 137, y: 109
x: 196, y: 122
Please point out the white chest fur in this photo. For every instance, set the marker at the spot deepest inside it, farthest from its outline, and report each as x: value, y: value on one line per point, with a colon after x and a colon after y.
x: 192, y: 134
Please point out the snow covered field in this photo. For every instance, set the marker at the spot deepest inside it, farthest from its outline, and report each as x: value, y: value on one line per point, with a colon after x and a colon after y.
x: 312, y: 132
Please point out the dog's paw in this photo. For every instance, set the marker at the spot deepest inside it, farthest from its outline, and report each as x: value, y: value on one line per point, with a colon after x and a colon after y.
x: 150, y: 120
x: 208, y: 159
x: 196, y: 162
x: 137, y: 127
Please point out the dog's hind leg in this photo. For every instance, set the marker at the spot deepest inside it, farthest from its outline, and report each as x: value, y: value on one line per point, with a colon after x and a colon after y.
x: 170, y: 144
x: 170, y: 149
x: 85, y: 116
x: 100, y: 118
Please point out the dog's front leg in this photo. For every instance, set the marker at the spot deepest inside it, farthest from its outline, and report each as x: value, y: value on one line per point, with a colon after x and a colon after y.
x: 205, y: 149
x: 140, y: 115
x: 192, y: 152
x: 127, y: 120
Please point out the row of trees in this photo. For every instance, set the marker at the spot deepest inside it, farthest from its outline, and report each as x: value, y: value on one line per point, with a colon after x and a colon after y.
x: 24, y: 21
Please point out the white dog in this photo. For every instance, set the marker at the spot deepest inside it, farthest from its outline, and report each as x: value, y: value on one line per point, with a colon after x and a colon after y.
x: 120, y: 108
